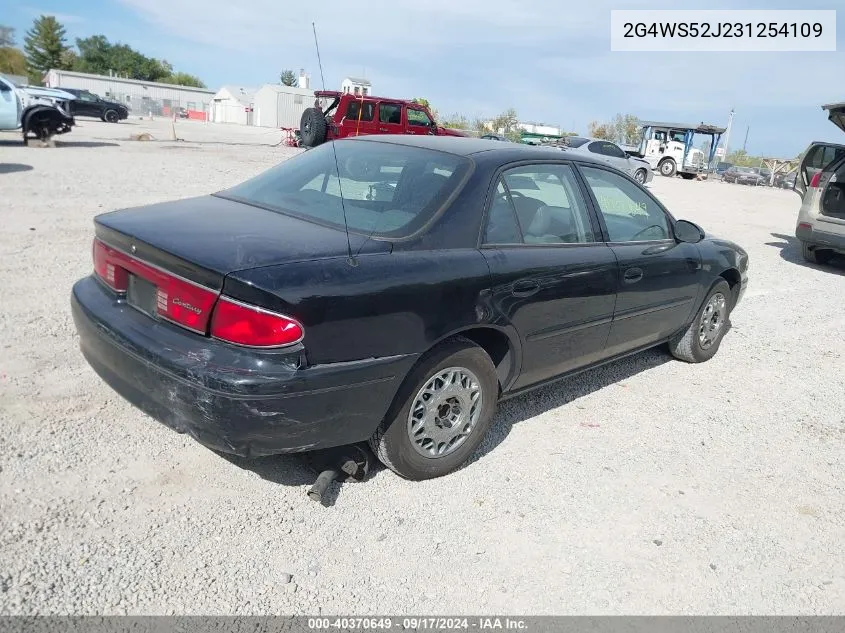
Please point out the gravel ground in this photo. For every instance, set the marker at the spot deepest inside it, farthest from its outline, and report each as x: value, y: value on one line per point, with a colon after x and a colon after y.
x: 648, y: 486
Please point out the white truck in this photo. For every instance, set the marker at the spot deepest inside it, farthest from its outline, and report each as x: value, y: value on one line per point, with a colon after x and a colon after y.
x: 38, y: 112
x: 668, y: 147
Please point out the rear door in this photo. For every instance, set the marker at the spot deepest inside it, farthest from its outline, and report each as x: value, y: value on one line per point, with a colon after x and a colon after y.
x: 552, y: 277
x: 390, y: 118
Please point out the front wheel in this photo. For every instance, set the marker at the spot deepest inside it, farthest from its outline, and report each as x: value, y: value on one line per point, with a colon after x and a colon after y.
x: 640, y: 176
x: 441, y: 413
x: 110, y: 116
x: 667, y: 168
x: 701, y: 340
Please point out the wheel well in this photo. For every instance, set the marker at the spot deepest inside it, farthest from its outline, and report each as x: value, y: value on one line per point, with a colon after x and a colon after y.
x: 664, y: 159
x: 734, y: 279
x: 498, y: 348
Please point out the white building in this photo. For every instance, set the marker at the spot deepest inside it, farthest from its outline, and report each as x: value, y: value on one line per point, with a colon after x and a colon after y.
x: 141, y: 97
x: 280, y: 106
x: 539, y: 129
x: 233, y: 104
x: 356, y: 85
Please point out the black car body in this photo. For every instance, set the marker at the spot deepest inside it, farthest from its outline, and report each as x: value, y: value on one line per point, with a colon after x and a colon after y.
x: 722, y: 167
x: 743, y: 176
x: 89, y: 104
x: 363, y: 314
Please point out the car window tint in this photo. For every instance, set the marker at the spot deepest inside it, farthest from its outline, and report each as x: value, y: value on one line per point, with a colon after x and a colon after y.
x: 502, y: 226
x: 390, y: 113
x: 383, y: 189
x: 354, y: 111
x: 418, y: 117
x: 611, y: 149
x: 630, y: 214
x: 549, y: 205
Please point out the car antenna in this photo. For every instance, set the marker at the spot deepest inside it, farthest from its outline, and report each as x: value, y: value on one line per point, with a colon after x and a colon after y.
x: 350, y: 258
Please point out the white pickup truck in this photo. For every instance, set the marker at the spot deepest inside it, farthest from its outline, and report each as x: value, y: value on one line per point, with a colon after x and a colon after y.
x: 38, y: 112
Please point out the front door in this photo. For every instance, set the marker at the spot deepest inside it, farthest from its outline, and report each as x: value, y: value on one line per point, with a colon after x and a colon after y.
x: 419, y: 122
x: 553, y: 279
x: 87, y: 104
x: 658, y: 276
x: 10, y: 107
x: 390, y: 118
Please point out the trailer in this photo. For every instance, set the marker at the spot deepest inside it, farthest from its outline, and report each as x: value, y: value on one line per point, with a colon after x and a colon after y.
x: 668, y: 147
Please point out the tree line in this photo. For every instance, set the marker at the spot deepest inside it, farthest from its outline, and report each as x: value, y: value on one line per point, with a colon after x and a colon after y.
x: 45, y: 46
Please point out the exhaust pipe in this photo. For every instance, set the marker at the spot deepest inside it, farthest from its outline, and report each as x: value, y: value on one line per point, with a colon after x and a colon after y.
x: 353, y: 461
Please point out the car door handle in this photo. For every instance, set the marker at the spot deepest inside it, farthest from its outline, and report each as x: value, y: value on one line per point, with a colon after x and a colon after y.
x: 633, y: 275
x: 525, y: 288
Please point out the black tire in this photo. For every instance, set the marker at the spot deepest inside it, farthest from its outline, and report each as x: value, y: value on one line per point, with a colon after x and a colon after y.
x: 110, y: 116
x: 814, y: 255
x: 667, y: 167
x: 687, y: 176
x: 640, y: 176
x: 312, y: 127
x: 392, y: 443
x: 687, y: 345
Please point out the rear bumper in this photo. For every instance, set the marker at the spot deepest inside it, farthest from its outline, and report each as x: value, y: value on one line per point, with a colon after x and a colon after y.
x: 820, y: 238
x: 231, y: 399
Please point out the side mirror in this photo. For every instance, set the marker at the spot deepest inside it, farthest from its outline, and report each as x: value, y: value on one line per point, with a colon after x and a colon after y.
x: 688, y: 232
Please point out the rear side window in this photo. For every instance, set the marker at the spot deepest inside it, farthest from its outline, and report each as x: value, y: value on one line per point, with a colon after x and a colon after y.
x: 386, y: 190
x: 365, y: 110
x: 606, y: 149
x: 543, y: 203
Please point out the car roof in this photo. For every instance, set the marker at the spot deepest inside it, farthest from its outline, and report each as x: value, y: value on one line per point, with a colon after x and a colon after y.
x: 470, y: 146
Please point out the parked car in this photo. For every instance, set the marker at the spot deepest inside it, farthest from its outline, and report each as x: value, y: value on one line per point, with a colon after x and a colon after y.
x: 787, y: 181
x: 38, y: 112
x: 363, y: 115
x: 89, y: 104
x: 765, y: 175
x: 494, y: 137
x: 277, y: 317
x: 610, y: 153
x: 821, y: 183
x: 743, y: 176
x: 722, y: 167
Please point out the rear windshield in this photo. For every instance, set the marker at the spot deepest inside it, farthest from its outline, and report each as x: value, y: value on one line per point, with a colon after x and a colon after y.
x: 576, y: 141
x: 387, y: 190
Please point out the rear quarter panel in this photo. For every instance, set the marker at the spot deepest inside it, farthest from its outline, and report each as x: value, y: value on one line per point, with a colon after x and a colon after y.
x: 384, y: 305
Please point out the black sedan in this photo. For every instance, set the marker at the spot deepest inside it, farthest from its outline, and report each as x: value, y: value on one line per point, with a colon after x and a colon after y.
x: 743, y: 176
x: 393, y: 292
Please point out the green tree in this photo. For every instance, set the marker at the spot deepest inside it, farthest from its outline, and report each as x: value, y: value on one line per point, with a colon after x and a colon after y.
x: 421, y: 101
x: 457, y: 121
x: 12, y: 59
x: 606, y: 131
x: 44, y: 46
x: 183, y: 79
x: 287, y: 78
x: 627, y: 129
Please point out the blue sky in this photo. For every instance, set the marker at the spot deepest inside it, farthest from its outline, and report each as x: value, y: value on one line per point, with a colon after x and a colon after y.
x: 549, y: 59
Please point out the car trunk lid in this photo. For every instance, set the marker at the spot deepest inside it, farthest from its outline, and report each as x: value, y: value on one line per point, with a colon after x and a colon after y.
x: 836, y: 114
x: 171, y: 259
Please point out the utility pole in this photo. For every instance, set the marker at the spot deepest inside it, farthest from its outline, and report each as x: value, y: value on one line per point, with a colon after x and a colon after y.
x: 745, y: 142
x: 728, y: 133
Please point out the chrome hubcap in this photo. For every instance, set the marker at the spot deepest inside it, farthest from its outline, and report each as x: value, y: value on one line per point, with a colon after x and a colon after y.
x: 712, y: 320
x: 444, y: 412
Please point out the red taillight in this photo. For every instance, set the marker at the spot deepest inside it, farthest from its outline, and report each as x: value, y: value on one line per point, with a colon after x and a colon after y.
x: 246, y: 325
x: 815, y: 181
x: 805, y: 225
x: 177, y: 299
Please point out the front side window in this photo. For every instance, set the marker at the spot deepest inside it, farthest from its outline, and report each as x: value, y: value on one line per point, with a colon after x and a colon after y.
x: 387, y: 190
x: 418, y: 117
x: 545, y: 203
x: 390, y: 113
x: 629, y: 213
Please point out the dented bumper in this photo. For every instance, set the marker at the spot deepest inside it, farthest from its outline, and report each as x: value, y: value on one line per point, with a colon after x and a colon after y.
x: 232, y: 399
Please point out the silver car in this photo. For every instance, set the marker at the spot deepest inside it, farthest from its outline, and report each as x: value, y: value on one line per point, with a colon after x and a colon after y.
x: 612, y: 154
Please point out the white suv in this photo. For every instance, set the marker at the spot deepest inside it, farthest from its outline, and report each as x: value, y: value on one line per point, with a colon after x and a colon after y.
x: 821, y: 183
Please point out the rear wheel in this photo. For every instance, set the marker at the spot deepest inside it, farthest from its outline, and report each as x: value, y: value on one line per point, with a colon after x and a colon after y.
x: 312, y: 127
x: 667, y: 167
x: 441, y: 413
x: 814, y: 255
x: 640, y: 176
x: 701, y: 340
